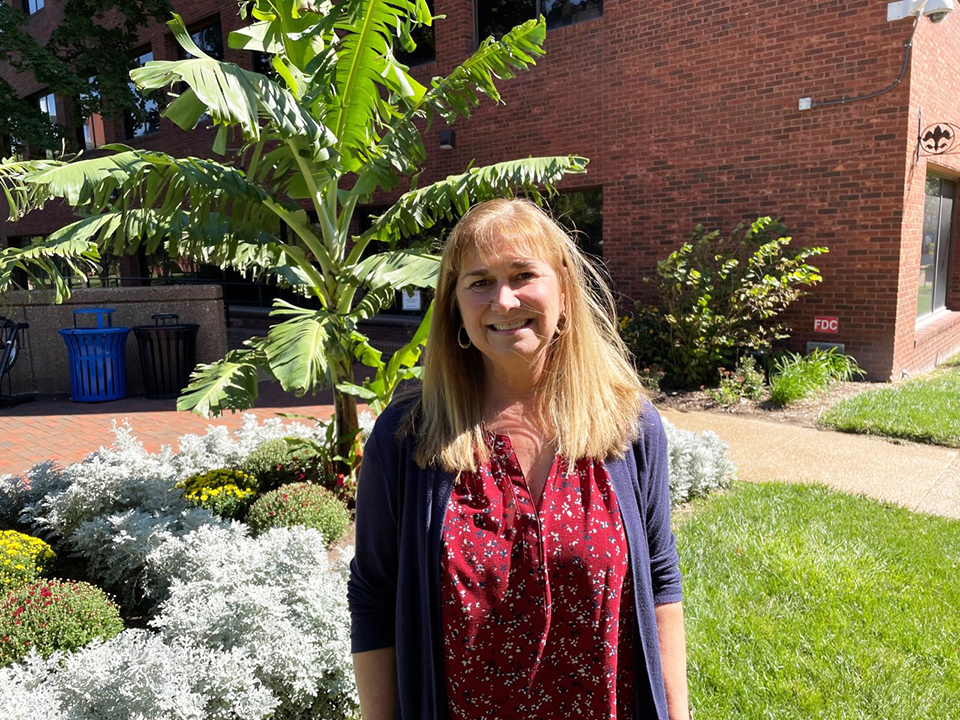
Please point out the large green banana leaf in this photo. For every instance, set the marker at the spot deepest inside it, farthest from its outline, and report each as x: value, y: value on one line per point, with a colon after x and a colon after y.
x: 228, y: 384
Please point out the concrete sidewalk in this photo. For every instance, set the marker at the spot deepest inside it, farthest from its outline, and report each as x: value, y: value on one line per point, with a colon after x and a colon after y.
x: 923, y: 478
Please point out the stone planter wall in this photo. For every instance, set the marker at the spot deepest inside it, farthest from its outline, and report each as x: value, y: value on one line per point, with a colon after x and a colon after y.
x: 43, y: 366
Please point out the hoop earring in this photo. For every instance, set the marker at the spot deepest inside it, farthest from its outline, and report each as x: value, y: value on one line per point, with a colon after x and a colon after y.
x: 562, y: 326
x: 460, y: 342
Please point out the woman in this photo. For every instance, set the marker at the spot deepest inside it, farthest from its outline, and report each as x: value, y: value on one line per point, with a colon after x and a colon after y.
x: 514, y: 553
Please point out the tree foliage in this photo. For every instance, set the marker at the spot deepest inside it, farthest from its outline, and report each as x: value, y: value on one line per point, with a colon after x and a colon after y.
x: 95, y: 39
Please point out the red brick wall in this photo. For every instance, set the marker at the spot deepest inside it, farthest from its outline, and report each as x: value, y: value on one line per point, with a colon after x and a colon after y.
x: 934, y: 89
x: 688, y: 112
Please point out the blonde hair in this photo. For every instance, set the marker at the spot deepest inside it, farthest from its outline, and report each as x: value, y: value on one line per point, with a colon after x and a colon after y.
x: 588, y: 395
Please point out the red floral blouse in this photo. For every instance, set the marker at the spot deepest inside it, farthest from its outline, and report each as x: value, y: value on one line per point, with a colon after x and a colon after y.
x: 532, y: 596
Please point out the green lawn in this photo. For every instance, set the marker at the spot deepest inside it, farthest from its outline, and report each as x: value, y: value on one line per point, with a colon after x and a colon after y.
x: 924, y: 410
x: 806, y: 603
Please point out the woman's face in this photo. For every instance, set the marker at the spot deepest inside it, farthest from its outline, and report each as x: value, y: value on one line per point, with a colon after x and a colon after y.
x: 510, y: 303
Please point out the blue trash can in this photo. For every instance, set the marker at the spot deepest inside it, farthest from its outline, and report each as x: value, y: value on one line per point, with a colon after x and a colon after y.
x: 98, y: 367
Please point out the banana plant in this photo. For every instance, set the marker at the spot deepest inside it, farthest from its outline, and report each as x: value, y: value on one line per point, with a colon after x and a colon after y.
x: 379, y: 390
x: 340, y: 119
x: 40, y: 262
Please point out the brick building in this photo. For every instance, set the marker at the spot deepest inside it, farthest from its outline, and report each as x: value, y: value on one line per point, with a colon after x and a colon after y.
x: 689, y: 112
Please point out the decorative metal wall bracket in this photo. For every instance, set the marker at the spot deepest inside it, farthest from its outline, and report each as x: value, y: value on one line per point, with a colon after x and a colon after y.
x: 939, y: 139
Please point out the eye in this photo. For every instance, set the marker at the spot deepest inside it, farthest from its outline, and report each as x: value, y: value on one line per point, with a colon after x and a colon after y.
x: 478, y: 284
x: 525, y: 275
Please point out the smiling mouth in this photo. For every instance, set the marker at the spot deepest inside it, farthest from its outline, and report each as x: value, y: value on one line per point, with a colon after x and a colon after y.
x: 513, y: 326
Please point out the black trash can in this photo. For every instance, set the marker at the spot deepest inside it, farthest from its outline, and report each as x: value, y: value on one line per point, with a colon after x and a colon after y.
x: 168, y: 354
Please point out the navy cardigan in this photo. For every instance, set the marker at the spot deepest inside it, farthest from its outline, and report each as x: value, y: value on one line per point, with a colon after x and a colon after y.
x: 394, y: 587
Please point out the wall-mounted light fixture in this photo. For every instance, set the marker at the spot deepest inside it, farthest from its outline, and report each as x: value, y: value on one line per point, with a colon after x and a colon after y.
x: 936, y: 10
x: 448, y: 139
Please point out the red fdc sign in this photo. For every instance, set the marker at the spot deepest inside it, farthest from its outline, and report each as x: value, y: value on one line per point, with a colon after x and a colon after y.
x: 826, y: 324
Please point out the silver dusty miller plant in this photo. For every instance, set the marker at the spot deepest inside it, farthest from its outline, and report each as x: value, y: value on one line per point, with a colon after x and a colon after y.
x: 136, y: 675
x: 699, y: 463
x: 277, y: 598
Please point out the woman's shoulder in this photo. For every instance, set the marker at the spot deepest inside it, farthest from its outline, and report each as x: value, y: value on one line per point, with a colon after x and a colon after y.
x: 649, y: 421
x: 398, y: 419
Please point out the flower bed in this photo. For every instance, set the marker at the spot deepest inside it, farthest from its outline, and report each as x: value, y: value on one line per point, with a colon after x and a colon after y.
x: 239, y: 626
x: 236, y: 625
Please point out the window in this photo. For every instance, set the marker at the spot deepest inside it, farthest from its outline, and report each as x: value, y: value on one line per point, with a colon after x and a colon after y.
x: 208, y: 38
x: 581, y: 213
x: 567, y: 12
x: 47, y: 103
x: 263, y: 63
x: 426, y: 50
x: 91, y: 132
x: 31, y: 7
x: 497, y: 17
x: 938, y: 207
x: 146, y: 119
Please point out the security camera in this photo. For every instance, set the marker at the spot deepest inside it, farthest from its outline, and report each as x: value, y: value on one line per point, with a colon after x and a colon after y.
x: 936, y: 10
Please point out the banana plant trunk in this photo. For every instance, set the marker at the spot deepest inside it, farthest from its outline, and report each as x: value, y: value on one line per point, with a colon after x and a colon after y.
x: 347, y: 422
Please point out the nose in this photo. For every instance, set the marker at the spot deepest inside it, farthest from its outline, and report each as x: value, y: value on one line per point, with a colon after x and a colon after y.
x: 505, y: 298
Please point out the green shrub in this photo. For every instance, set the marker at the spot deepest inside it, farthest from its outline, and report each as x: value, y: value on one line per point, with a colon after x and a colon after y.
x: 651, y: 378
x: 301, y: 504
x: 288, y: 460
x: 51, y: 616
x: 227, y: 493
x: 797, y: 377
x: 744, y: 382
x: 717, y: 295
x: 293, y: 460
x: 645, y: 333
x: 23, y: 559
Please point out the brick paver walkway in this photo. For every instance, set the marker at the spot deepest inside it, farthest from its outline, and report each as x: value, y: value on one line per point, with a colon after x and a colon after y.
x: 54, y: 428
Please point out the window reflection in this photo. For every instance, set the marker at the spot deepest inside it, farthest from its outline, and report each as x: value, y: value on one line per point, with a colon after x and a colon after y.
x: 147, y: 119
x: 263, y: 63
x: 92, y: 131
x: 47, y: 103
x: 498, y: 17
x: 581, y: 213
x: 567, y: 12
x: 209, y: 39
x: 938, y: 210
